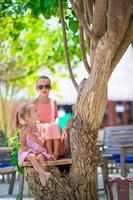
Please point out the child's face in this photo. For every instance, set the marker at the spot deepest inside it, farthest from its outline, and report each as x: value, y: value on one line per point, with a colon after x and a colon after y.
x: 33, y: 116
x: 43, y: 87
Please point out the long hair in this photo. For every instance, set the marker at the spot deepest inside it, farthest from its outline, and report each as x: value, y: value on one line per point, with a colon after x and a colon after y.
x: 18, y: 124
x: 20, y: 115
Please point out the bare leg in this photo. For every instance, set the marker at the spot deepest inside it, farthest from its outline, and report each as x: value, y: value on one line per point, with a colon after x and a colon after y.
x: 37, y: 166
x: 35, y: 163
x: 56, y: 148
x: 42, y: 159
x: 49, y: 146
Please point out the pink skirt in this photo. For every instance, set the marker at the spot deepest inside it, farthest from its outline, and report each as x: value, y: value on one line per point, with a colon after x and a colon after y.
x: 52, y: 131
x: 23, y: 154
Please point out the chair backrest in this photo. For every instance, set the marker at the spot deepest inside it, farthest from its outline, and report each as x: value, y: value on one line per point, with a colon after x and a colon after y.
x: 114, y: 136
x: 122, y: 187
x: 3, y: 156
x: 2, y: 138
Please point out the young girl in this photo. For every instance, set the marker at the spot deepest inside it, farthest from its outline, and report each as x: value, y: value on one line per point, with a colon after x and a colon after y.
x: 32, y: 142
x: 47, y: 109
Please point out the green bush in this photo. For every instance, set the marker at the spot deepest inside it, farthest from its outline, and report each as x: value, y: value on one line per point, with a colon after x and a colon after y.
x: 14, y: 142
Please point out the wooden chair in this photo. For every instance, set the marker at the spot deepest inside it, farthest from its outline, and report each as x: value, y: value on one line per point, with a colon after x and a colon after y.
x: 114, y: 137
x: 126, y: 162
x: 6, y: 167
x: 122, y: 187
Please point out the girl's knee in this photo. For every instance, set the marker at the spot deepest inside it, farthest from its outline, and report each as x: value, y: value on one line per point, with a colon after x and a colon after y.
x: 31, y: 157
x: 40, y: 156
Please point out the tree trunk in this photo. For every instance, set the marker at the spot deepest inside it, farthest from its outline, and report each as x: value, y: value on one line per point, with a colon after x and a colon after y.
x: 85, y: 159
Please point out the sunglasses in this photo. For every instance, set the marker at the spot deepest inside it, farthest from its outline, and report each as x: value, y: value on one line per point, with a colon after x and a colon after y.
x: 40, y: 87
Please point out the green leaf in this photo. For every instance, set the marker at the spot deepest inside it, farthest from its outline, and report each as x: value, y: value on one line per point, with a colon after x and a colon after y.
x: 74, y: 25
x: 30, y: 71
x: 47, y: 3
x: 36, y: 8
x: 67, y: 17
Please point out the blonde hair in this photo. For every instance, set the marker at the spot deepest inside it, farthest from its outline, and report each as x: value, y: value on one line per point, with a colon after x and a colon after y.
x: 20, y: 115
x: 43, y: 77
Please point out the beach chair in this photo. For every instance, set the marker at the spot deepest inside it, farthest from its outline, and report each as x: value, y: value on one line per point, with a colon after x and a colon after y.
x: 6, y: 167
x: 122, y: 188
x: 114, y: 138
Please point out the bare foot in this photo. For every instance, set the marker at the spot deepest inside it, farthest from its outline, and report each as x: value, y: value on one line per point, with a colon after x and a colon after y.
x: 43, y: 179
x: 55, y: 157
x: 47, y: 175
x: 51, y: 157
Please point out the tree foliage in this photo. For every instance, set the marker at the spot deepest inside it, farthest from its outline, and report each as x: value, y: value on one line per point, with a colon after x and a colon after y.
x: 28, y: 44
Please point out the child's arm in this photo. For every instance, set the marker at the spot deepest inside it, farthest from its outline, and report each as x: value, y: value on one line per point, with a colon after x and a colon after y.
x: 66, y: 130
x: 39, y: 140
x: 41, y: 129
x: 64, y: 135
x: 39, y: 150
x: 23, y: 146
x: 56, y: 112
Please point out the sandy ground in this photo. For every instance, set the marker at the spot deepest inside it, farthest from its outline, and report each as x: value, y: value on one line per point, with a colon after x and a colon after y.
x: 4, y: 190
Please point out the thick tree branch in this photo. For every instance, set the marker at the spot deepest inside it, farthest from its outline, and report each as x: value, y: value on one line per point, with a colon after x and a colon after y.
x: 86, y: 13
x: 120, y: 8
x: 82, y: 48
x: 65, y: 45
x: 82, y: 6
x: 88, y: 43
x: 99, y: 25
x: 124, y: 45
x: 112, y: 20
x: 122, y: 23
x: 82, y: 21
x: 124, y: 10
x: 94, y: 1
x: 88, y: 20
x: 100, y: 17
x: 129, y: 9
x: 89, y: 8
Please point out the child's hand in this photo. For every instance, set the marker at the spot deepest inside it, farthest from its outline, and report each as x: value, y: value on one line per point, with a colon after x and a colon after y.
x: 39, y: 150
x: 64, y: 135
x: 34, y: 151
x: 40, y: 127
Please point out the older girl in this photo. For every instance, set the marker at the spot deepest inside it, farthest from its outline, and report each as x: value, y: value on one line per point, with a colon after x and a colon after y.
x: 47, y: 109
